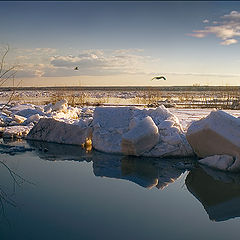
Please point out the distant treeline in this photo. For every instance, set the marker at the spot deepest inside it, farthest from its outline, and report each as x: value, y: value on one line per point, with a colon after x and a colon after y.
x: 122, y: 88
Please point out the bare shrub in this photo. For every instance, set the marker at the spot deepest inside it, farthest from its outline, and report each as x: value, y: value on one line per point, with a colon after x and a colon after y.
x: 7, y: 73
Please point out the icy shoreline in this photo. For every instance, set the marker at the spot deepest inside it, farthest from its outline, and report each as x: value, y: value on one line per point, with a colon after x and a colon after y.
x: 151, y: 132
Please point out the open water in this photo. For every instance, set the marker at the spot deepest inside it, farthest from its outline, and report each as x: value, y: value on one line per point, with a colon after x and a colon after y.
x: 62, y: 192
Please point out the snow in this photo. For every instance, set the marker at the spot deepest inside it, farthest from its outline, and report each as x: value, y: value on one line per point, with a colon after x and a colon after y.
x: 19, y: 119
x: 29, y: 112
x: 34, y: 118
x: 16, y: 131
x: 60, y: 105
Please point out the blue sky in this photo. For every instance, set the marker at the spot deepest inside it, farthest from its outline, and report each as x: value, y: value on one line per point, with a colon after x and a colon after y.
x: 123, y: 43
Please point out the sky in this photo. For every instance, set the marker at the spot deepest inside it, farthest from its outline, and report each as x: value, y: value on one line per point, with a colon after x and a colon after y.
x: 126, y: 43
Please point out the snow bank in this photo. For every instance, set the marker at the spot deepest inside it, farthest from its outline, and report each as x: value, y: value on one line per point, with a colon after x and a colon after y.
x: 22, y: 117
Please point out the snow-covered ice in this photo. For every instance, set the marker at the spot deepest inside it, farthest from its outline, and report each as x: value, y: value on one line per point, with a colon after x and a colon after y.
x: 152, y: 132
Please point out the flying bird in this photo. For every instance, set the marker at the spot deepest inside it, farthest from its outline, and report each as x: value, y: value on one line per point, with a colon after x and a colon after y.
x: 76, y: 68
x: 159, y: 78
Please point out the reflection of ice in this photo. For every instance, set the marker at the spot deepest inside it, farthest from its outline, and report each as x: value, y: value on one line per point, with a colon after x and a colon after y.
x: 142, y: 171
x: 12, y: 150
x: 219, y: 192
x: 134, y: 170
x: 55, y: 151
x: 146, y: 172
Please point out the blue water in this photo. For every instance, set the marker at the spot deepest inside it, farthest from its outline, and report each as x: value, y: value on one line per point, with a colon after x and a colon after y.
x: 70, y: 194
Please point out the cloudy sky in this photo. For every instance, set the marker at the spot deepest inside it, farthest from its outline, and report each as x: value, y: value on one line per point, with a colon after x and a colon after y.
x: 122, y: 43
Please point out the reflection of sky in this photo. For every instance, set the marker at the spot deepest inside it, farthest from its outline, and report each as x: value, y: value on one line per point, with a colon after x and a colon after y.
x: 131, y: 40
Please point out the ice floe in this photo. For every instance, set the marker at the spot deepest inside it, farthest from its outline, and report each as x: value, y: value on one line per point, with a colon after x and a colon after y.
x: 52, y: 130
x: 113, y: 127
x: 218, y: 134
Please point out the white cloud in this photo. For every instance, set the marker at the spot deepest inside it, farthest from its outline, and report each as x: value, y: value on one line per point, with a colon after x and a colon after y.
x: 227, y: 29
x: 100, y: 63
x: 93, y: 62
x: 205, y: 21
x: 30, y: 70
x: 197, y: 34
x: 197, y: 74
x: 229, y: 42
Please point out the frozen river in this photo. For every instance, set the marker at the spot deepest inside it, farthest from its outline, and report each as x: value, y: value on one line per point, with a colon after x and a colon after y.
x: 70, y: 194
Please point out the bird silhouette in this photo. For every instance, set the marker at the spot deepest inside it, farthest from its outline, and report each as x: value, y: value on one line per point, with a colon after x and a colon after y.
x: 76, y: 68
x: 159, y: 78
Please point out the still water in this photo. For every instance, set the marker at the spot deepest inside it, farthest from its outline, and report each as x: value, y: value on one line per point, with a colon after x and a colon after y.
x: 61, y: 192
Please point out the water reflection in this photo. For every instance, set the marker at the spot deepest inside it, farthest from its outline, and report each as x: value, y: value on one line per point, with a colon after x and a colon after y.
x: 146, y: 172
x: 219, y: 192
x: 8, y: 191
x: 135, y: 170
x: 56, y: 152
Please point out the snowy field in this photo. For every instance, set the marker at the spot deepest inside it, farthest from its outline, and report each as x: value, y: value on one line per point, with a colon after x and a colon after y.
x: 175, y: 96
x: 187, y: 116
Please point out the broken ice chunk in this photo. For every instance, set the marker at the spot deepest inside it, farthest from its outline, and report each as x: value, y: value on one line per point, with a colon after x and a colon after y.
x: 140, y: 138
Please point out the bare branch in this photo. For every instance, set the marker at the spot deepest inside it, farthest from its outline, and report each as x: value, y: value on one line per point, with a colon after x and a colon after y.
x: 2, y: 81
x: 14, y: 175
x: 7, y: 71
x: 11, y: 97
x: 3, y: 59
